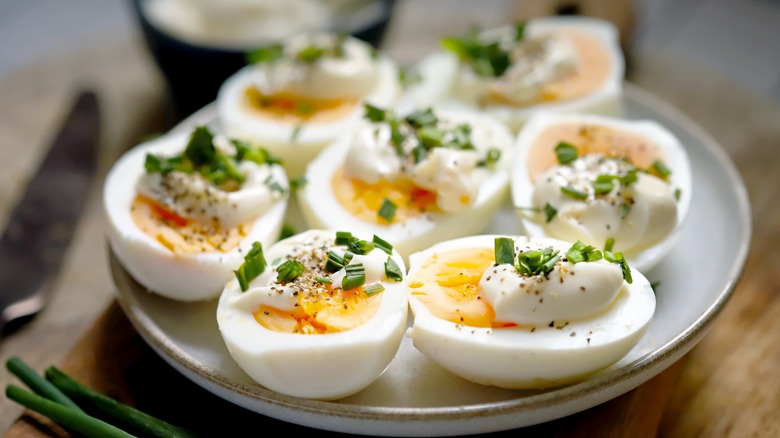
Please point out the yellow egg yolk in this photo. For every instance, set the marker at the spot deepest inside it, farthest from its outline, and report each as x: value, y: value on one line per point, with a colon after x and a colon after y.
x: 448, y: 285
x: 593, y: 68
x: 321, y: 309
x: 589, y: 139
x: 293, y: 109
x: 364, y: 200
x: 181, y: 235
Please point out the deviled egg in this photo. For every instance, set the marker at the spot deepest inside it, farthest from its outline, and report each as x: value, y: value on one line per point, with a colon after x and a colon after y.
x: 510, y: 311
x: 183, y: 210
x: 544, y: 64
x: 620, y: 184
x: 298, y: 95
x: 417, y: 178
x: 318, y: 315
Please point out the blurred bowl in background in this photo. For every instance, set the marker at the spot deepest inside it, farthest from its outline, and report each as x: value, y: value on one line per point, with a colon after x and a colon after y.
x: 197, y: 44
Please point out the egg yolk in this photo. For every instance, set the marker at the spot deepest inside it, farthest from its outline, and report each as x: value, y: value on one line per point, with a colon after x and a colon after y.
x: 181, y: 235
x: 364, y: 200
x: 448, y: 285
x: 592, y: 71
x: 289, y: 108
x: 588, y: 139
x: 321, y: 309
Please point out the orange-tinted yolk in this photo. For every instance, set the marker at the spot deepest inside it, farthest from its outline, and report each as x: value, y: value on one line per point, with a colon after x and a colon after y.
x: 448, y: 285
x: 297, y: 109
x: 321, y: 309
x: 181, y: 235
x: 364, y: 200
x: 590, y: 139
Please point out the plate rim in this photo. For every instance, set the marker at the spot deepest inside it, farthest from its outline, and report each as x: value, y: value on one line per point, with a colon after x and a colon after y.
x: 450, y: 420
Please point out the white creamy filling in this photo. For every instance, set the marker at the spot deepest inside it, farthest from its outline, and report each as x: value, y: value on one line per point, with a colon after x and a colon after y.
x: 535, y: 62
x: 266, y: 290
x: 352, y: 75
x: 568, y: 292
x: 453, y: 174
x: 649, y: 205
x: 237, y: 23
x: 193, y: 197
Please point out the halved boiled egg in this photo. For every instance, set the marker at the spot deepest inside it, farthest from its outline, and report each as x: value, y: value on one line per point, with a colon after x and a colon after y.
x: 298, y: 95
x: 567, y: 64
x: 183, y: 210
x: 522, y: 313
x: 615, y: 183
x: 318, y: 315
x: 418, y: 178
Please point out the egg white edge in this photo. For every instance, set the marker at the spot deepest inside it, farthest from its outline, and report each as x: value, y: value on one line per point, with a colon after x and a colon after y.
x: 438, y: 70
x: 275, y: 359
x: 416, y: 233
x: 519, y: 357
x: 671, y: 149
x: 182, y: 277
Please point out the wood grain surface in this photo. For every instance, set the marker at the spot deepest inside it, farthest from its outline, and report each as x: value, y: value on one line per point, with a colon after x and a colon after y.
x: 726, y: 386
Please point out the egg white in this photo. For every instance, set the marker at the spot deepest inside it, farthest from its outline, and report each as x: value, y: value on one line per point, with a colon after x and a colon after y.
x: 675, y: 156
x: 182, y: 277
x: 316, y: 366
x: 518, y: 358
x: 321, y: 208
x: 295, y: 144
x: 438, y: 70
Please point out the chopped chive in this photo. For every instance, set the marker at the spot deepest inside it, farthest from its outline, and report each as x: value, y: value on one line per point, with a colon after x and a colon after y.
x: 287, y: 231
x: 419, y: 153
x: 348, y: 256
x: 374, y: 114
x: 310, y: 54
x: 535, y: 262
x: 654, y: 285
x: 421, y: 118
x: 504, y: 250
x: 661, y: 170
x: 625, y: 209
x: 519, y: 30
x: 629, y: 178
x: 289, y: 271
x: 265, y: 54
x: 324, y: 280
x: 619, y: 259
x: 387, y: 210
x: 580, y: 252
x: 430, y: 137
x: 254, y: 265
x: 677, y: 194
x: 298, y: 183
x: 491, y: 158
x: 609, y: 244
x: 574, y: 193
x: 603, y: 184
x: 334, y: 262
x: 373, y: 289
x: 296, y: 132
x: 392, y: 270
x: 355, y: 276
x: 382, y: 244
x: 549, y: 212
x: 566, y: 152
x: 343, y: 237
x: 359, y: 246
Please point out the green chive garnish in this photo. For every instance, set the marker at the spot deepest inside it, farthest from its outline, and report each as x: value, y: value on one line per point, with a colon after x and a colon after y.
x: 574, y: 193
x: 289, y: 271
x: 382, y: 244
x: 491, y: 158
x: 534, y: 262
x: 324, y: 280
x: 625, y: 210
x: 566, y: 152
x: 334, y: 262
x: 392, y: 270
x: 355, y: 276
x: 660, y: 168
x: 343, y: 237
x: 373, y: 289
x: 504, y: 250
x: 549, y: 212
x: 254, y: 265
x: 310, y: 54
x: 296, y: 132
x: 677, y: 194
x: 420, y: 118
x: 359, y: 246
x: 374, y: 114
x: 298, y: 183
x: 287, y: 231
x: 265, y: 54
x: 603, y: 184
x: 609, y: 244
x: 580, y: 252
x: 620, y: 260
x: 387, y: 210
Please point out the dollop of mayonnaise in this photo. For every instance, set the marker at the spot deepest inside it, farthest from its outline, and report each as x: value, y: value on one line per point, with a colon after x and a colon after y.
x: 569, y: 292
x: 453, y: 174
x: 267, y: 290
x: 191, y: 196
x: 535, y: 62
x: 238, y: 24
x: 347, y: 70
x: 636, y: 215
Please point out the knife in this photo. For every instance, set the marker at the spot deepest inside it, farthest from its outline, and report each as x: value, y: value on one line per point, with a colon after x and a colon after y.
x: 41, y: 225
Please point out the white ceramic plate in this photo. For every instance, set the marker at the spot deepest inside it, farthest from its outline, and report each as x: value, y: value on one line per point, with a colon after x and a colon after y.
x: 415, y: 397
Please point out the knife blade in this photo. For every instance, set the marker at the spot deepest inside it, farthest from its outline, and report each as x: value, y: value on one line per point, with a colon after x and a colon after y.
x: 41, y: 225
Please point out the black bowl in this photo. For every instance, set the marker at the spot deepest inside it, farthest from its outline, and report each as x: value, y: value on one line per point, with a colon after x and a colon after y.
x: 194, y: 73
